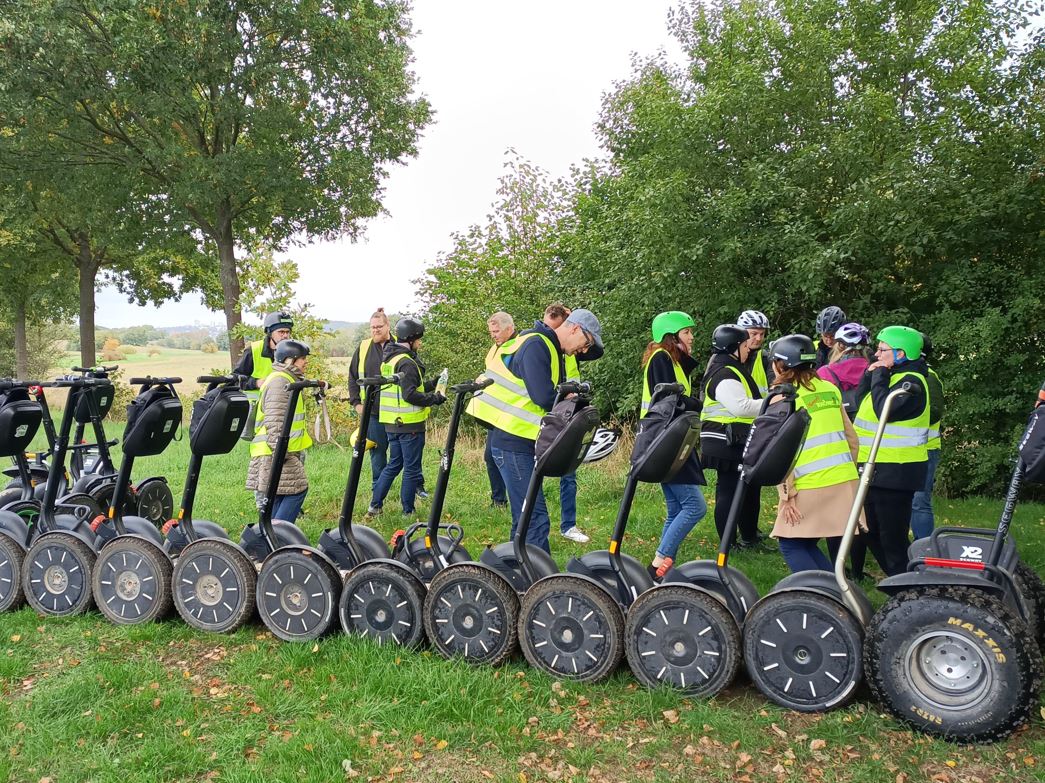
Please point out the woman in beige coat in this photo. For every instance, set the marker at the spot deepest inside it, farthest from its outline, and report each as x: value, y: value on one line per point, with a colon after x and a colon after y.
x: 816, y: 497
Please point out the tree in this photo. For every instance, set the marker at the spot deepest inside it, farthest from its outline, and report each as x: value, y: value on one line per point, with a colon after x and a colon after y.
x: 255, y: 121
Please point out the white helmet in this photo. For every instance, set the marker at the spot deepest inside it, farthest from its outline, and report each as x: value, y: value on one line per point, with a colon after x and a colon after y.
x: 753, y: 319
x: 603, y: 444
x: 853, y: 334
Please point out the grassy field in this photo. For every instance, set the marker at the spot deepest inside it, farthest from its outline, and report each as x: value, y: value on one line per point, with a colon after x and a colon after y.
x: 177, y: 362
x: 84, y: 700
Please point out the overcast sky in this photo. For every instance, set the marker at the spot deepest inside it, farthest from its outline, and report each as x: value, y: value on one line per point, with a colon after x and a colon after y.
x: 528, y: 76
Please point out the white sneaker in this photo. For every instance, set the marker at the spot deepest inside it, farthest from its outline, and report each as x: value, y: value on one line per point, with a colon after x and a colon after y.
x: 575, y: 534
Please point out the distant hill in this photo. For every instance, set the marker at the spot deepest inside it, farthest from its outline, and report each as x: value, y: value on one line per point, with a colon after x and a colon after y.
x: 335, y: 326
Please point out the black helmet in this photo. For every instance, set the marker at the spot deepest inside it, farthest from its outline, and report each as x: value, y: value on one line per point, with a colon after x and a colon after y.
x: 727, y: 338
x: 280, y: 320
x: 409, y: 329
x: 927, y: 346
x: 794, y: 350
x: 829, y: 320
x: 287, y: 350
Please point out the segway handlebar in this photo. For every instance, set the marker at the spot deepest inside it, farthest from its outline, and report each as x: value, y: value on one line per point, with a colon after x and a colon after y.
x: 99, y: 368
x: 7, y: 383
x: 307, y: 384
x: 380, y: 380
x: 70, y: 381
x: 573, y: 387
x: 471, y: 386
x: 148, y: 380
x: 217, y: 379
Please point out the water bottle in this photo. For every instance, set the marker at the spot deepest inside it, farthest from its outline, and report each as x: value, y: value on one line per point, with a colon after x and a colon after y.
x: 443, y: 382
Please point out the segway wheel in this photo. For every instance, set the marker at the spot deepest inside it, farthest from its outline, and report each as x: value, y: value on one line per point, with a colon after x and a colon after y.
x: 803, y: 651
x: 11, y: 555
x: 683, y: 638
x: 213, y: 584
x: 28, y: 510
x: 297, y: 595
x: 80, y: 505
x: 571, y: 629
x: 56, y: 575
x: 132, y: 582
x: 155, y: 501
x: 472, y: 613
x: 954, y: 663
x: 1032, y: 588
x: 383, y: 602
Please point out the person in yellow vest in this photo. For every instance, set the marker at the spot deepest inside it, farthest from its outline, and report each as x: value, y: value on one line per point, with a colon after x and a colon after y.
x: 922, y: 519
x: 902, y: 462
x: 256, y: 363
x: 731, y: 402
x: 290, y: 359
x: 525, y: 373
x: 404, y: 409
x: 501, y: 326
x: 758, y: 364
x: 366, y: 363
x: 817, y: 495
x: 669, y: 359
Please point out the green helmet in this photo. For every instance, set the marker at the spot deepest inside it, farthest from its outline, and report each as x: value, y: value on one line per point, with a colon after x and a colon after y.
x: 671, y: 322
x: 902, y: 338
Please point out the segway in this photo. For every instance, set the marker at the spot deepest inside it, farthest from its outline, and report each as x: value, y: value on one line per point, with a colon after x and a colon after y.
x: 952, y: 652
x: 383, y: 598
x: 20, y: 418
x: 131, y: 579
x: 803, y: 642
x: 220, y: 598
x: 685, y: 632
x: 471, y: 610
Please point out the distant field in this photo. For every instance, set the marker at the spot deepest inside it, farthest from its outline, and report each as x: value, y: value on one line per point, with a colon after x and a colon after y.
x: 175, y: 362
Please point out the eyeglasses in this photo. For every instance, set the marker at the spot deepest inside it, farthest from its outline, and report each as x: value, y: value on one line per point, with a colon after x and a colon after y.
x: 589, y: 340
x: 282, y: 332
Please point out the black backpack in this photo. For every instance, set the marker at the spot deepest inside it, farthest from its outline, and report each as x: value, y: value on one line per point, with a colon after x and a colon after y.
x: 565, y: 435
x: 668, y: 434
x: 20, y: 418
x: 153, y: 418
x: 218, y: 418
x: 1032, y: 447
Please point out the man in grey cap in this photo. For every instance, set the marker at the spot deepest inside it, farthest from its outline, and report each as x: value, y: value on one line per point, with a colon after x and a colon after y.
x: 525, y: 373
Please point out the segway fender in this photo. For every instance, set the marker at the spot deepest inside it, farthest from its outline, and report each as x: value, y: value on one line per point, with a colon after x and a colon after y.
x: 598, y: 566
x: 971, y: 546
x: 932, y: 577
x: 88, y: 538
x: 287, y: 534
x: 400, y: 565
x: 144, y: 481
x: 823, y: 583
x: 705, y: 575
x: 370, y: 542
x: 501, y: 558
x: 308, y: 551
x: 14, y: 526
x: 143, y: 528
x: 176, y: 539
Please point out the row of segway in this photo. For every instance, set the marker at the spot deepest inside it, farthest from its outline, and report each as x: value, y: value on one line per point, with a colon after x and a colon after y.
x: 971, y: 675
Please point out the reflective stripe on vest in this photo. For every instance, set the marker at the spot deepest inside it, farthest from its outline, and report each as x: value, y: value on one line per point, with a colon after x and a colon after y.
x: 262, y: 368
x: 716, y: 411
x: 364, y: 349
x: 647, y: 392
x: 903, y: 441
x: 934, y: 425
x: 299, y: 437
x: 825, y: 459
x: 505, y: 404
x: 758, y: 373
x: 394, y: 409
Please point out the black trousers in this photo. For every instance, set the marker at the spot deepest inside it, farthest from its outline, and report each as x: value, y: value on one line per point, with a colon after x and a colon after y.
x: 888, y: 513
x: 747, y: 522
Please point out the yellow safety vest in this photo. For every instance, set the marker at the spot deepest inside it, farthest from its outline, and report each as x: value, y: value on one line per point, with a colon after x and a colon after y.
x: 825, y: 459
x: 758, y: 373
x: 717, y: 412
x: 262, y: 367
x: 903, y: 441
x: 505, y: 403
x: 299, y: 438
x: 394, y: 408
x: 573, y: 372
x: 364, y: 349
x: 647, y: 392
x: 934, y: 425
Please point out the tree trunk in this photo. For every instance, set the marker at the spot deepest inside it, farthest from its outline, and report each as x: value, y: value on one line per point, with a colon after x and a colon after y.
x: 88, y: 266
x: 229, y: 276
x: 21, y: 344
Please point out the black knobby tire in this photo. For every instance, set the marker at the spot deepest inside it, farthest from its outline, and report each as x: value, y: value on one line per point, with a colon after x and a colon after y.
x: 132, y: 582
x: 155, y: 501
x: 1033, y: 589
x: 28, y: 510
x: 213, y: 584
x: 952, y: 662
x: 297, y: 595
x: 472, y: 613
x: 383, y: 602
x: 571, y: 628
x: 11, y: 555
x: 683, y: 638
x: 803, y: 651
x: 56, y: 575
x: 73, y: 502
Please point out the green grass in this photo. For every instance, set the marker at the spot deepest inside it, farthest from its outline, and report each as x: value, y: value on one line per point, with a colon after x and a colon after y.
x: 84, y: 700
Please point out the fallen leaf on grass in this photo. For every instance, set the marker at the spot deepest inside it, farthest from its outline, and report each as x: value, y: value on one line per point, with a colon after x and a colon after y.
x: 671, y: 716
x: 818, y: 744
x: 778, y: 731
x: 17, y: 637
x: 441, y: 744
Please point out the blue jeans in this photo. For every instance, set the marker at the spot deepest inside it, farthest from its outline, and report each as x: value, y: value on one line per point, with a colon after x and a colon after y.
x: 405, y: 456
x: 803, y: 554
x: 516, y: 467
x: 498, y: 492
x: 287, y: 507
x: 375, y: 431
x: 922, y: 520
x: 568, y: 502
x: 686, y: 507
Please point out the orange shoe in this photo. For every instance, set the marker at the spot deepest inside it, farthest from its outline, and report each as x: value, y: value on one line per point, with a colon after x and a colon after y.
x: 664, y: 567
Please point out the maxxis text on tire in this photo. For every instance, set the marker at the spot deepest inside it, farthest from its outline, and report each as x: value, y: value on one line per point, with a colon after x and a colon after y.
x: 132, y: 582
x: 213, y: 584
x: 297, y: 595
x: 383, y: 602
x: 472, y: 614
x: 56, y: 575
x: 954, y: 663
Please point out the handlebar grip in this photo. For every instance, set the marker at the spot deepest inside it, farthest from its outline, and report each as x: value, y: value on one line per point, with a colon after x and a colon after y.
x: 306, y: 384
x: 381, y: 380
x: 669, y: 388
x: 217, y: 379
x: 148, y: 379
x: 470, y: 386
